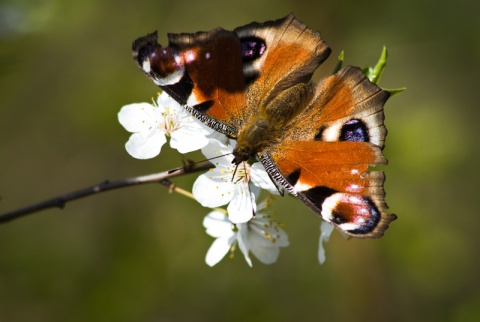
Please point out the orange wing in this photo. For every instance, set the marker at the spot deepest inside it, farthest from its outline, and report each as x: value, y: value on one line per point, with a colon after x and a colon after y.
x: 224, y: 77
x: 292, y: 54
x: 324, y: 156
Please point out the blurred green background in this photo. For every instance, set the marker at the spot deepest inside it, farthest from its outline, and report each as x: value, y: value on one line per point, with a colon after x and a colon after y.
x: 137, y: 254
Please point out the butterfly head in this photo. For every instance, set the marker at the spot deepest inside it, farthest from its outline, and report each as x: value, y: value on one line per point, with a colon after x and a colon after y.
x: 240, y: 155
x: 253, y: 138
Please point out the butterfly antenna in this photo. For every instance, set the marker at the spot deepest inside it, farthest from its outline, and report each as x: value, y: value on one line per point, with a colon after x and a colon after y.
x: 218, y: 156
x: 190, y: 164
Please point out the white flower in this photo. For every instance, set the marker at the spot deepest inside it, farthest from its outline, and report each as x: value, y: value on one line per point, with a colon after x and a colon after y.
x: 326, y: 229
x: 150, y: 124
x: 228, y: 183
x: 261, y: 235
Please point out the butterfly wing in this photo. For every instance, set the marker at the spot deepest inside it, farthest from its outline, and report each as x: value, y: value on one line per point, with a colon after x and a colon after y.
x: 291, y: 54
x: 324, y: 155
x: 224, y: 77
x: 323, y: 151
x: 201, y: 71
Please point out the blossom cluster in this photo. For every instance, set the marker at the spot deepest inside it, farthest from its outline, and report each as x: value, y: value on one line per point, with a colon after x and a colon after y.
x: 243, y: 223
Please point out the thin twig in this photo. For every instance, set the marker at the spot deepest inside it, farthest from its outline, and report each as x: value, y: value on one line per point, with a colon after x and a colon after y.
x: 60, y: 201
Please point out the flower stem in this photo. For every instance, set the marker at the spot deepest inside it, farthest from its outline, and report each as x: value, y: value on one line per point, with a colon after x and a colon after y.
x: 173, y: 188
x: 60, y: 201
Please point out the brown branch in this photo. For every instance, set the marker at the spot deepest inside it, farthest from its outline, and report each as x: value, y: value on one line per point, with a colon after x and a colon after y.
x: 60, y: 201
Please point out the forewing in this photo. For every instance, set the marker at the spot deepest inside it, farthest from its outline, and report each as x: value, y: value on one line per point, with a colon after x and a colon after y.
x: 202, y: 71
x: 224, y: 77
x: 290, y: 53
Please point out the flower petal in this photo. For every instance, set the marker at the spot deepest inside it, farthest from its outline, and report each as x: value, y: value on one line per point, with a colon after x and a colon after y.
x: 217, y: 148
x: 211, y: 191
x: 260, y: 178
x: 165, y: 101
x: 281, y: 238
x: 267, y: 255
x: 242, y: 240
x: 218, y: 225
x: 222, y: 138
x: 218, y: 250
x: 266, y: 238
x: 145, y: 145
x: 270, y: 234
x: 191, y: 136
x: 242, y: 206
x: 325, y: 231
x: 137, y: 117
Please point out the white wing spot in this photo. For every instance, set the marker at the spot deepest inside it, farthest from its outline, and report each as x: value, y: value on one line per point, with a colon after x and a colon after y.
x: 299, y: 186
x: 190, y: 56
x: 146, y: 66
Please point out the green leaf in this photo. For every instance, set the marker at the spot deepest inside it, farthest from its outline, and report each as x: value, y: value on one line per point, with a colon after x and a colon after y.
x: 395, y: 91
x: 376, y: 72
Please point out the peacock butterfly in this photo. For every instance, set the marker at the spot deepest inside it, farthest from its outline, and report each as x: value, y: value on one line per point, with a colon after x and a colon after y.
x: 253, y: 84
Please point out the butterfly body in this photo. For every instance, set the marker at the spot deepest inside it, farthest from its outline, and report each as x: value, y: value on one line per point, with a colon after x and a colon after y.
x: 253, y: 84
x: 263, y: 130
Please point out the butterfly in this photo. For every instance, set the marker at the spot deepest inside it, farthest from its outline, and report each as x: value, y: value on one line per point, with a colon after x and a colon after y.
x: 317, y: 141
